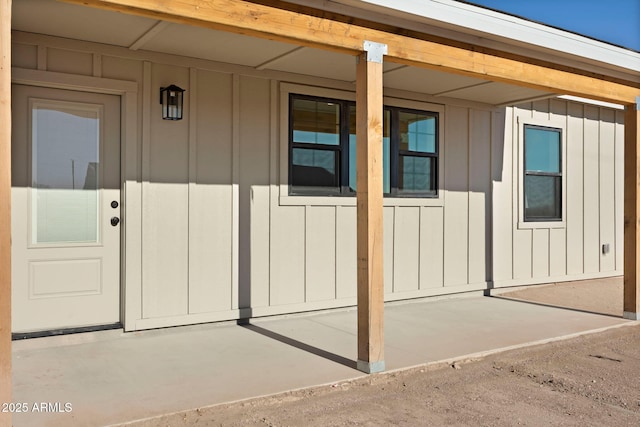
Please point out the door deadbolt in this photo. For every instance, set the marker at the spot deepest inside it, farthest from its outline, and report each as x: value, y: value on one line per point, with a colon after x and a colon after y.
x: 114, y: 204
x: 115, y: 220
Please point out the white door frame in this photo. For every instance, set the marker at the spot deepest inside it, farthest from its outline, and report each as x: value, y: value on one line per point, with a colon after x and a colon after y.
x: 130, y: 184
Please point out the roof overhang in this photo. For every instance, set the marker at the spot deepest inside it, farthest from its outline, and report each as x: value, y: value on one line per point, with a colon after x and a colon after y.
x: 489, y: 28
x: 277, y: 21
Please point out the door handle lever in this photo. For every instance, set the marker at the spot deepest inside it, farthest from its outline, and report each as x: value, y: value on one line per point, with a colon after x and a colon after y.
x: 115, y: 220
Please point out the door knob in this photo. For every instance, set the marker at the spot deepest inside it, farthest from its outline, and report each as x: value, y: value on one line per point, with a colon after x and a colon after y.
x: 115, y: 220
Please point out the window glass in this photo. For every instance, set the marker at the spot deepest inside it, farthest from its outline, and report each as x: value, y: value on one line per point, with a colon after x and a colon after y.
x: 415, y: 174
x: 417, y: 132
x: 316, y: 122
x: 542, y: 149
x: 65, y: 174
x: 315, y: 168
x: 542, y: 197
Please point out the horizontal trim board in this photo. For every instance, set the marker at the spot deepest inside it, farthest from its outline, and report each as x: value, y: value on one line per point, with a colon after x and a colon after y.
x: 272, y: 23
x: 71, y: 81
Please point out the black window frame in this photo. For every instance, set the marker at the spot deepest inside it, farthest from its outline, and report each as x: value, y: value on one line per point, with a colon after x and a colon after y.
x: 526, y: 172
x: 396, y: 153
x: 342, y: 150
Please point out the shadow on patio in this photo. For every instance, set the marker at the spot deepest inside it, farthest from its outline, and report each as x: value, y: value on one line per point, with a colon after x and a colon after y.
x: 110, y: 377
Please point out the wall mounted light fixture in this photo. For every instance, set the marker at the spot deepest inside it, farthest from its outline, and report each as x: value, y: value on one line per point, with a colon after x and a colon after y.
x: 172, y: 99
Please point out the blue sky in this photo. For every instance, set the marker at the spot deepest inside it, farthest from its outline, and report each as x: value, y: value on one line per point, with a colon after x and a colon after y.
x: 613, y: 21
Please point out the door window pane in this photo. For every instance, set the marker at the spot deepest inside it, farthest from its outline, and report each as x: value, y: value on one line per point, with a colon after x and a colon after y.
x: 65, y: 172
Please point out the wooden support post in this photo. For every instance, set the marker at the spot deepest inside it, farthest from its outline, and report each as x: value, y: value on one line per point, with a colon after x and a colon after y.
x: 5, y: 208
x: 632, y: 211
x: 369, y: 122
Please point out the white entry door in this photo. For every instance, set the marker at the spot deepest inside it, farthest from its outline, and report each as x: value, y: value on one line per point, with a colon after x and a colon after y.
x: 65, y: 209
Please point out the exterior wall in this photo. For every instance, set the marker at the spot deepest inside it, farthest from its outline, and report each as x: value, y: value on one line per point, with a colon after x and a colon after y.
x: 593, y: 211
x: 216, y: 236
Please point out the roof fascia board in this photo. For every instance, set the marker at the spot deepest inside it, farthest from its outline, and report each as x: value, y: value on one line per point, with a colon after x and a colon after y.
x: 495, y: 25
x: 475, y: 38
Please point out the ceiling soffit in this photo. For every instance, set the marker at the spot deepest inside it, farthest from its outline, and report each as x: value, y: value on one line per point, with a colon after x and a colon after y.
x: 84, y: 23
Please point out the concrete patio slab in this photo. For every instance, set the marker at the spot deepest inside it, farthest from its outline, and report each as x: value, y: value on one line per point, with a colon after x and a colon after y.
x: 111, y: 377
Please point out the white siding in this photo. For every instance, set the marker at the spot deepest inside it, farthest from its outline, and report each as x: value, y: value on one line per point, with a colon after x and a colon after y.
x: 456, y: 197
x: 219, y: 242
x: 594, y: 199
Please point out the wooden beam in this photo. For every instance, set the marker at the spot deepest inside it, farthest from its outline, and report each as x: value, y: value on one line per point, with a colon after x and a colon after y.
x: 632, y: 211
x: 5, y: 208
x: 369, y: 122
x: 253, y: 19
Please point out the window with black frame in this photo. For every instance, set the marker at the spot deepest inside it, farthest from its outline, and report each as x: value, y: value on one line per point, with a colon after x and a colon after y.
x: 542, y: 173
x: 322, y: 149
x: 315, y: 146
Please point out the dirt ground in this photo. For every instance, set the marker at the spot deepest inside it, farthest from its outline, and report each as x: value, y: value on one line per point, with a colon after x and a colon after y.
x: 592, y: 380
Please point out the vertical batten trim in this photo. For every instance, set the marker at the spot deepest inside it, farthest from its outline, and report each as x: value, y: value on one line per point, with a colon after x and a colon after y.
x: 97, y: 65
x: 619, y: 170
x: 599, y: 172
x: 132, y: 214
x: 515, y: 183
x: 305, y: 240
x: 235, y: 192
x: 42, y: 58
x: 335, y: 251
x: 192, y: 115
x: 420, y: 208
x: 274, y: 188
x: 392, y: 265
x: 468, y: 166
x: 147, y: 102
x: 582, y: 122
x: 488, y: 245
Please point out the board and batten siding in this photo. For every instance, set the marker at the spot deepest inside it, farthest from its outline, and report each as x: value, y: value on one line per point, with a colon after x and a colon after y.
x: 593, y: 211
x: 220, y: 239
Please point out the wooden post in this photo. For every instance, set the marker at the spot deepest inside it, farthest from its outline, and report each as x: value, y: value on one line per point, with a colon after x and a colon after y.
x: 369, y: 122
x: 632, y: 211
x: 5, y: 208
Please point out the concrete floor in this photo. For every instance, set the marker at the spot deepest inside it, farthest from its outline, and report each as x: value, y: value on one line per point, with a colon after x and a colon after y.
x: 110, y: 377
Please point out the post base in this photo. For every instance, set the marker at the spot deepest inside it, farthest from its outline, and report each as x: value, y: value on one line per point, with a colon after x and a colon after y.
x: 370, y: 367
x: 631, y: 315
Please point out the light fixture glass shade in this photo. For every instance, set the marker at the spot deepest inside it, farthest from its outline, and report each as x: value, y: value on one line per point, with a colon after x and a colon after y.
x: 172, y: 100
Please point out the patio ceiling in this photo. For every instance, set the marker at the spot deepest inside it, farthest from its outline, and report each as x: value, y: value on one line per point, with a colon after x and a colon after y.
x: 138, y: 33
